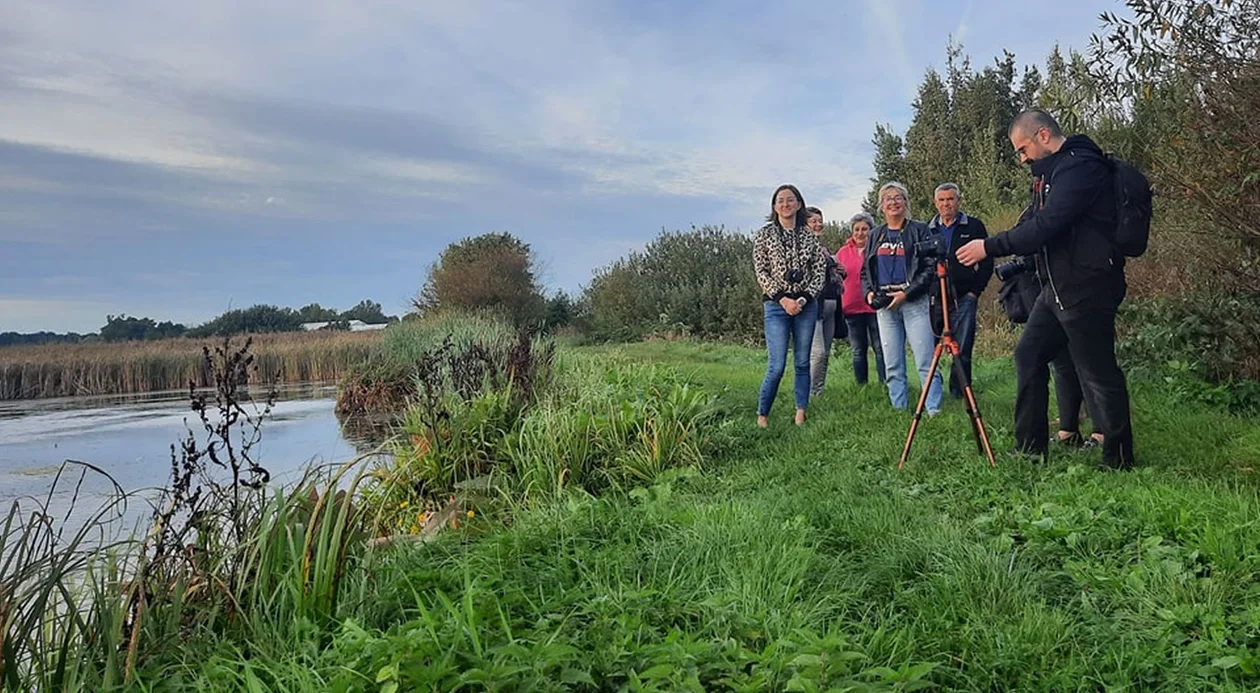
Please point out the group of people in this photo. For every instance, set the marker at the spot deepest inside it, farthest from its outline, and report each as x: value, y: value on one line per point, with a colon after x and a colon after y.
x: 881, y: 288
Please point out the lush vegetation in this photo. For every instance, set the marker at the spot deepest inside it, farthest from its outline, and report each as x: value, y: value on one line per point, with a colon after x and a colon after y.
x: 95, y: 368
x: 697, y: 283
x: 493, y: 272
x: 1173, y: 89
x: 566, y: 558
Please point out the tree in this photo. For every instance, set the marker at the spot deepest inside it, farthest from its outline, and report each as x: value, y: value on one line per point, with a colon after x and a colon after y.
x: 120, y: 328
x: 494, y: 271
x: 559, y: 311
x: 257, y: 318
x: 698, y: 282
x: 367, y: 311
x: 890, y: 164
x: 316, y: 313
x: 1190, y: 72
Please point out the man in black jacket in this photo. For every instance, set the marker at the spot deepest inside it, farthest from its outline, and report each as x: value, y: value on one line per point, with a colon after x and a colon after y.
x: 1071, y: 230
x: 965, y: 283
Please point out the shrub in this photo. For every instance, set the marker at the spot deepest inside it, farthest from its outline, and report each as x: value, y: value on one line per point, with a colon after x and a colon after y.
x: 699, y: 283
x: 1208, y: 348
x: 418, y: 356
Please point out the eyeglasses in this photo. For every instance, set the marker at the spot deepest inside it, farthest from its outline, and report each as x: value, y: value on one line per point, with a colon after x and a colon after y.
x: 894, y: 198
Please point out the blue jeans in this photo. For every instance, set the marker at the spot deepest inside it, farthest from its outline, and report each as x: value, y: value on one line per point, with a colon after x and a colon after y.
x: 963, y: 322
x: 780, y: 327
x: 911, y: 322
x: 863, y: 335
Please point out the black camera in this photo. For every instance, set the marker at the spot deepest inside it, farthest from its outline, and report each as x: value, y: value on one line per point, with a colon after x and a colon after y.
x: 881, y: 300
x: 932, y: 247
x: 1015, y: 267
x: 794, y: 276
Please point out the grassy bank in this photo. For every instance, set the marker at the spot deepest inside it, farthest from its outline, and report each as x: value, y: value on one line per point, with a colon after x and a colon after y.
x: 99, y: 368
x: 785, y: 559
x: 801, y: 560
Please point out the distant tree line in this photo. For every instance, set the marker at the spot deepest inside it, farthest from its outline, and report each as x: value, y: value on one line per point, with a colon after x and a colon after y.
x: 255, y: 319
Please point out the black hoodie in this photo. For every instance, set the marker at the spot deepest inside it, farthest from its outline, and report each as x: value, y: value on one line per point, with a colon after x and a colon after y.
x: 1071, y: 225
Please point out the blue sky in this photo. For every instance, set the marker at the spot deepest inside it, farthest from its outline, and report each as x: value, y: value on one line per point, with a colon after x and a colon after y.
x: 176, y: 159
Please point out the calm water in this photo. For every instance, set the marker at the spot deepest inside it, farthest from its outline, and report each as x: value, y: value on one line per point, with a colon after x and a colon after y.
x: 130, y: 438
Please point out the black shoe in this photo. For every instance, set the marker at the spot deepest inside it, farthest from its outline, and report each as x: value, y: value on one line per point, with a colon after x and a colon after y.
x: 1073, y: 441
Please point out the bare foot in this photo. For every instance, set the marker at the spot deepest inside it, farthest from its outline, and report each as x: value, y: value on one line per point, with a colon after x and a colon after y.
x: 800, y: 416
x: 762, y: 422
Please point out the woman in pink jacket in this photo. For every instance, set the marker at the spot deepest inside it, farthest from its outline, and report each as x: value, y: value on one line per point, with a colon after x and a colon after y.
x: 863, y: 327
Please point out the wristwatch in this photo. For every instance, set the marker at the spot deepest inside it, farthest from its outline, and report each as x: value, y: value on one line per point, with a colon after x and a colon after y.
x: 802, y: 301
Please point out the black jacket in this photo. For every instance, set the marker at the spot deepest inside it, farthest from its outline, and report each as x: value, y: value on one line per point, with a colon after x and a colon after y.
x: 919, y: 277
x: 963, y: 279
x: 834, y: 285
x: 1071, y: 224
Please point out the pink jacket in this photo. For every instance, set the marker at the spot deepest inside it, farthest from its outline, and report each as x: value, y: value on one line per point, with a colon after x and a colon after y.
x: 850, y: 257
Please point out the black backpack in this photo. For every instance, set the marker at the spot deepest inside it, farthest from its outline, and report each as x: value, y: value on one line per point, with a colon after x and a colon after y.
x: 1018, y: 294
x: 1133, y: 207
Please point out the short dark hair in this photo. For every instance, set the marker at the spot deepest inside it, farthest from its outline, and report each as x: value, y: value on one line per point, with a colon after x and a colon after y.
x: 802, y: 216
x: 1032, y: 120
x: 814, y: 210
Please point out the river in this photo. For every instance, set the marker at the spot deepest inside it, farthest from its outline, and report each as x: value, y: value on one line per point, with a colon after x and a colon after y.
x: 130, y: 438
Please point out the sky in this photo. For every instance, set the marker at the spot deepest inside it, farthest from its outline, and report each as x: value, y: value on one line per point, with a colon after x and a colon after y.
x: 177, y: 159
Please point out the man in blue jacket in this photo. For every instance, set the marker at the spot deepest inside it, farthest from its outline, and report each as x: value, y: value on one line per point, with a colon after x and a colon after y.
x: 1071, y: 231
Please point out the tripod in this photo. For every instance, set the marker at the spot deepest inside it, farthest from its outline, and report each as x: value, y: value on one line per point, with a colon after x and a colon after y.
x: 973, y: 409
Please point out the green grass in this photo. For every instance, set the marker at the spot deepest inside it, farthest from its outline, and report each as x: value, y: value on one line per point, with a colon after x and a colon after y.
x: 800, y: 559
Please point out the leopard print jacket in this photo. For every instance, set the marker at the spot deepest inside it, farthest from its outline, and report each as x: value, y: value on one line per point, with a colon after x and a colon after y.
x: 775, y: 251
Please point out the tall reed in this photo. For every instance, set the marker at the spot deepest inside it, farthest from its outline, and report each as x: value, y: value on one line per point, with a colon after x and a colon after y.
x: 101, y: 368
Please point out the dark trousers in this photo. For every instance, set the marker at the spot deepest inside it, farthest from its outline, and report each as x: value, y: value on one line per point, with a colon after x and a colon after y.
x: 1067, y: 390
x: 863, y: 335
x: 962, y: 322
x: 1088, y: 332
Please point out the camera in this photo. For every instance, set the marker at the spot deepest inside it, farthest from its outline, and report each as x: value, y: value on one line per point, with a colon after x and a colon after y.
x: 794, y: 276
x: 932, y: 247
x: 881, y: 300
x: 1015, y: 267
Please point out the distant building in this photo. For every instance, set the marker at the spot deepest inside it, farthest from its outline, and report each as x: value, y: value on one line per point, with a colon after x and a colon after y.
x: 355, y: 326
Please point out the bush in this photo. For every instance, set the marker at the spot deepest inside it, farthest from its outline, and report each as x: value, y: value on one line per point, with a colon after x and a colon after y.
x: 1208, y: 348
x: 698, y: 283
x: 493, y: 270
x: 422, y: 356
x: 596, y: 429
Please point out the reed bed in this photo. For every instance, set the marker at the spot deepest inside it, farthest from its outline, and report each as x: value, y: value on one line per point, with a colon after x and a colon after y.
x: 102, y: 368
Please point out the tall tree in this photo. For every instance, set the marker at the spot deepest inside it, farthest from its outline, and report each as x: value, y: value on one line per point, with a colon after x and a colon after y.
x: 494, y: 271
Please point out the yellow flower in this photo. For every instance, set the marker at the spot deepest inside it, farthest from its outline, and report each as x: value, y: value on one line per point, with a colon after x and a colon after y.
x: 403, y: 505
x: 422, y: 517
x: 471, y: 514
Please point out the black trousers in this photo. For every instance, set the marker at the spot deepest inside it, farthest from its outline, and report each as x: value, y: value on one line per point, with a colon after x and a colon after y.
x: 1088, y: 331
x: 1067, y: 390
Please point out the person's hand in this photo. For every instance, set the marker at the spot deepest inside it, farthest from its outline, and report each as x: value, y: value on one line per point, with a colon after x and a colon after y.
x: 972, y: 253
x: 898, y: 298
x: 870, y: 297
x: 790, y: 305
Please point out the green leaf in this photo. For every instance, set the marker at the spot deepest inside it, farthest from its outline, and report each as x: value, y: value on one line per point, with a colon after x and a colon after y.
x: 660, y: 671
x: 386, y: 673
x: 574, y: 676
x: 1226, y: 663
x: 806, y: 660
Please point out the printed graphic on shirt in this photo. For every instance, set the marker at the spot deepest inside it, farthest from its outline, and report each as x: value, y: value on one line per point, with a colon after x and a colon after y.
x: 891, y: 258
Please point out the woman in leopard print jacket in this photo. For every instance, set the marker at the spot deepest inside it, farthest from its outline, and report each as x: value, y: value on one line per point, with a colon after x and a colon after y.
x: 791, y: 267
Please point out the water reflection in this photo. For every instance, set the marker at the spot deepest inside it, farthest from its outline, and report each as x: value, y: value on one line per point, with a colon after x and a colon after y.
x: 131, y: 438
